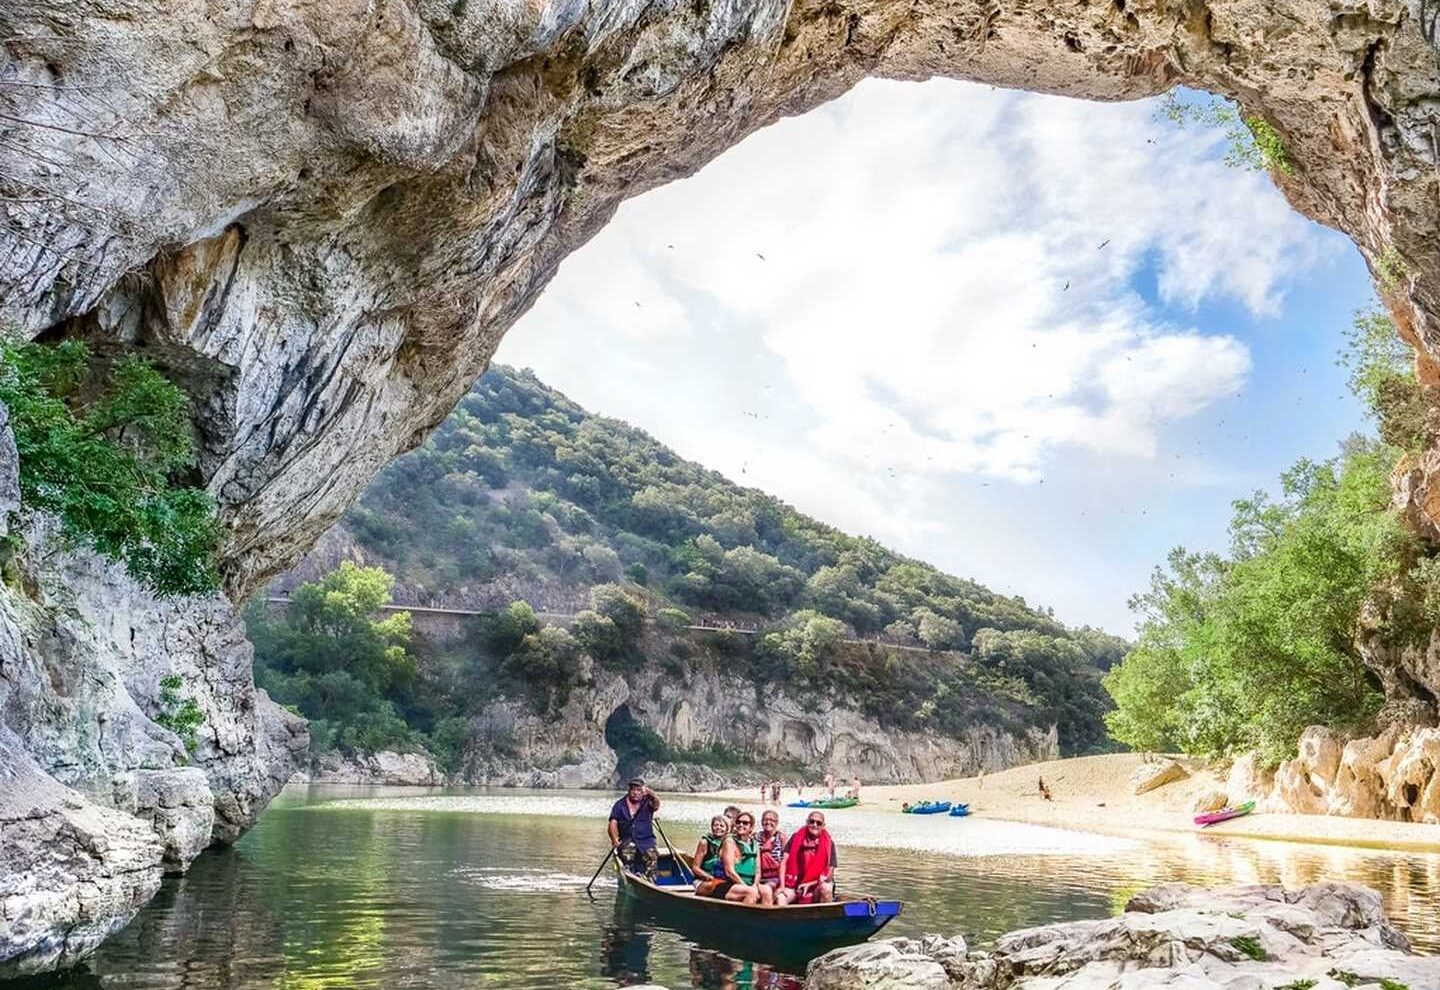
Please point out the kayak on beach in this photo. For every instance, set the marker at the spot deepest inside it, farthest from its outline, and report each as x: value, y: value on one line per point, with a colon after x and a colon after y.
x: 1224, y: 814
x: 826, y: 804
x: 926, y: 808
x: 960, y: 811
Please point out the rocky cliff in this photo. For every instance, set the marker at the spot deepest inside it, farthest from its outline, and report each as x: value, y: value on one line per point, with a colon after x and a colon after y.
x: 708, y: 711
x: 97, y: 798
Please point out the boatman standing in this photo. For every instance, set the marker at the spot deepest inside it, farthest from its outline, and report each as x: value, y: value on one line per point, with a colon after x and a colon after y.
x: 632, y: 828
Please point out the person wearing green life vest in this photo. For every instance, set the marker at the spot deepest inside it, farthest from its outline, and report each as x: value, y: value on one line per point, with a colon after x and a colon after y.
x: 710, y: 880
x: 740, y: 859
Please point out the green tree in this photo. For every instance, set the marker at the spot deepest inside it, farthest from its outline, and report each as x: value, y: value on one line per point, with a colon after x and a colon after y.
x: 336, y: 659
x: 1245, y: 653
x: 106, y: 450
x: 1381, y: 370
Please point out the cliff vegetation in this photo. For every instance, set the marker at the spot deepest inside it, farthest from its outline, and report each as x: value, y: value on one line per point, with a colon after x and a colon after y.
x: 593, y: 546
x: 1296, y: 624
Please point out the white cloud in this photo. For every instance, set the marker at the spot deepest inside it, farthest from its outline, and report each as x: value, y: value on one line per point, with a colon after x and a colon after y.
x: 929, y: 269
x: 921, y: 286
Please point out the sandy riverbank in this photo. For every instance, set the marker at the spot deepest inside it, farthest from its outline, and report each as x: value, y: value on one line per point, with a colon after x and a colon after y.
x: 1093, y: 793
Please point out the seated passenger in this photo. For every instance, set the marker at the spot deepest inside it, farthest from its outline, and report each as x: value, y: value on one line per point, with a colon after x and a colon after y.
x: 709, y: 876
x: 740, y: 859
x: 772, y: 852
x: 809, y: 867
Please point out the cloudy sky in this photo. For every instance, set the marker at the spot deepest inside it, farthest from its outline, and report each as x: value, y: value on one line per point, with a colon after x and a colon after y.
x: 1034, y: 341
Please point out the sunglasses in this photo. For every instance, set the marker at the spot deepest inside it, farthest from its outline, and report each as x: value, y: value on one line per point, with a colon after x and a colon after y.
x: 744, y: 821
x: 816, y: 822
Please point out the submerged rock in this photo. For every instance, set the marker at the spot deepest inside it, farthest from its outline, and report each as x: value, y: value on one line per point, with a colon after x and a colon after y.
x: 1175, y: 936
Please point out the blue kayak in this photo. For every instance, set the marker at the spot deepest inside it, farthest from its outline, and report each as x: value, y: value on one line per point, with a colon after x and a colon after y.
x: 929, y: 808
x: 960, y: 811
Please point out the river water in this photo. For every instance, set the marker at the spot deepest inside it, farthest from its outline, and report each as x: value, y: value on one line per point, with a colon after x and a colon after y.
x: 344, y: 887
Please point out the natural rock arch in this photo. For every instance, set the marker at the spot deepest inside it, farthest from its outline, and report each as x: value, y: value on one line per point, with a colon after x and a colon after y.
x: 325, y: 216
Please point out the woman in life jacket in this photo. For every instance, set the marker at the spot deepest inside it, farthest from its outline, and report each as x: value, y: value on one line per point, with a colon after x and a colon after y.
x: 740, y: 859
x: 709, y: 876
x: 772, y: 852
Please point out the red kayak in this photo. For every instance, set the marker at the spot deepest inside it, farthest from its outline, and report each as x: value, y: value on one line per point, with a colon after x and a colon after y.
x: 1224, y: 814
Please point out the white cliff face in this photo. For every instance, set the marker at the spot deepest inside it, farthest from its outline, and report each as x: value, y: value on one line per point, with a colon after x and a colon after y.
x: 335, y: 210
x: 99, y: 800
x: 513, y: 746
x: 1393, y: 776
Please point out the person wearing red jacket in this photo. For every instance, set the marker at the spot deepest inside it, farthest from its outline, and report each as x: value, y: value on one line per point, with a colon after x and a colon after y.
x: 809, y: 864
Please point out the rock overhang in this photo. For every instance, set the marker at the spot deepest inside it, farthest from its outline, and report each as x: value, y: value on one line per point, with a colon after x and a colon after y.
x: 323, y: 217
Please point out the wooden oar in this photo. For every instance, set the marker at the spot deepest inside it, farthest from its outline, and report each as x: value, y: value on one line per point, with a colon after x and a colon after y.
x: 679, y: 863
x: 599, y: 869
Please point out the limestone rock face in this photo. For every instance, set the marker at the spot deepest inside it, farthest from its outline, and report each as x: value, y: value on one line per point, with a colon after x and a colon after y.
x: 384, y: 767
x: 1148, y: 776
x: 332, y: 212
x: 9, y: 471
x: 514, y: 747
x: 109, y: 797
x: 71, y: 872
x: 1395, y: 776
x: 1175, y: 936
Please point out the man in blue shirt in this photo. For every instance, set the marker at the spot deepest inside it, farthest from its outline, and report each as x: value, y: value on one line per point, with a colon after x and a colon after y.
x: 632, y: 828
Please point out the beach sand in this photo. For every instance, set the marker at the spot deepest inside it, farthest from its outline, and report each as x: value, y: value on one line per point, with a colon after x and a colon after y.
x: 1094, y: 794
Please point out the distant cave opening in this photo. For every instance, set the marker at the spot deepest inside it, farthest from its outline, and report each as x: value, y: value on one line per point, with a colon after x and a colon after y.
x: 634, y: 743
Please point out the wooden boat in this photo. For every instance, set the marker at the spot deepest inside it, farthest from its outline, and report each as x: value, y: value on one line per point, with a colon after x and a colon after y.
x: 1224, y: 814
x: 849, y: 919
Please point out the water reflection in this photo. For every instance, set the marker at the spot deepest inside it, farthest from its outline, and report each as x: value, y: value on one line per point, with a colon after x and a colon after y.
x: 343, y: 896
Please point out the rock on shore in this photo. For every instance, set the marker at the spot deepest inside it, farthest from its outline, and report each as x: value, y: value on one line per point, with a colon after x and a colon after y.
x: 1175, y: 936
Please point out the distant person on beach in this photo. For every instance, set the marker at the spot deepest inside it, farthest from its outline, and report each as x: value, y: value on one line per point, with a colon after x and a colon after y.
x: 632, y: 828
x: 775, y: 792
x: 1045, y: 791
x: 830, y: 785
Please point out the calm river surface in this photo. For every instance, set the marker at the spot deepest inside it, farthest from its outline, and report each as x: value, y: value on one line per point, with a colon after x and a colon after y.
x: 347, y: 887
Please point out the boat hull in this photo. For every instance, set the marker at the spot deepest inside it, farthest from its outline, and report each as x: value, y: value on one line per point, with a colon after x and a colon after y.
x: 843, y: 922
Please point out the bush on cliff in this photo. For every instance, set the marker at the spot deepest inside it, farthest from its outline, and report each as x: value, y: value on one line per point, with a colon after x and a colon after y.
x: 333, y: 657
x: 109, y: 450
x: 1243, y: 652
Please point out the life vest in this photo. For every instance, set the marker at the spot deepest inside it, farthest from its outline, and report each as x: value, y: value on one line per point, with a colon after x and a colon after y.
x: 748, y: 861
x: 771, y: 850
x: 711, y: 861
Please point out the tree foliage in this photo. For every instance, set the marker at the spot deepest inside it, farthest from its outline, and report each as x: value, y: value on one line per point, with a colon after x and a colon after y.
x: 108, y: 450
x: 521, y: 487
x: 334, y: 657
x: 1244, y: 652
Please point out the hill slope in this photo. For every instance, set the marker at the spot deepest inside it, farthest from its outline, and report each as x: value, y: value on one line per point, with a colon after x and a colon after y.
x: 523, y: 495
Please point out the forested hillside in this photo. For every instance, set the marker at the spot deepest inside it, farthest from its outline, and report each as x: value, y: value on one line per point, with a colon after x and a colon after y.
x: 521, y: 494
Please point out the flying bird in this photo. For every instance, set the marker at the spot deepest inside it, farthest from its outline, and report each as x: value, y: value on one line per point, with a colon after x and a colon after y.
x: 759, y: 255
x: 1067, y: 287
x: 1103, y: 243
